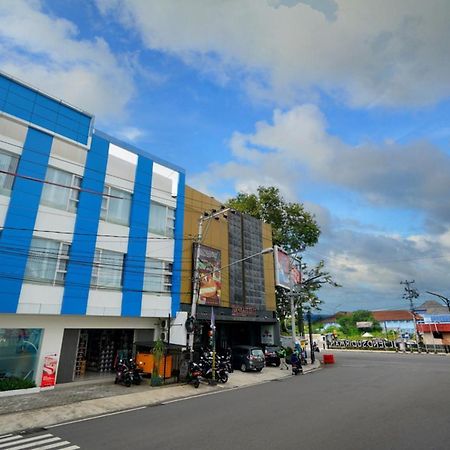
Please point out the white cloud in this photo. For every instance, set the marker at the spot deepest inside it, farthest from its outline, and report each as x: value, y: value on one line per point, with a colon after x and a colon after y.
x: 48, y: 52
x: 295, y: 149
x: 368, y: 53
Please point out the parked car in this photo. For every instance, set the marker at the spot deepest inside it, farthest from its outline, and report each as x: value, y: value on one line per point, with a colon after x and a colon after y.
x: 271, y: 355
x: 248, y: 357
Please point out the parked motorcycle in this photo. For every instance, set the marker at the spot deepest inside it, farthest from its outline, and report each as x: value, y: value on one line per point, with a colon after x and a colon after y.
x: 135, y: 371
x: 123, y: 374
x: 194, y: 374
x: 221, y: 372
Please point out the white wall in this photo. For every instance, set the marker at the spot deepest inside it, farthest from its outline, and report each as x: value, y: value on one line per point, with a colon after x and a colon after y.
x: 54, y: 329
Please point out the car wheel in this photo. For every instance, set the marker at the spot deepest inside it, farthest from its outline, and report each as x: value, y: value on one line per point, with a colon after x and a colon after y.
x: 243, y: 367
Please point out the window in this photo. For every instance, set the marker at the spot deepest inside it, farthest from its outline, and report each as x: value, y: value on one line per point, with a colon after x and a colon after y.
x: 157, y: 276
x: 58, y: 196
x: 8, y: 163
x: 47, y: 261
x: 19, y: 352
x: 107, y: 269
x: 116, y: 206
x: 162, y: 219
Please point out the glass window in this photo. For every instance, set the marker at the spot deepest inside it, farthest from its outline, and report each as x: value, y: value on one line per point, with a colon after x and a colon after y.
x: 116, y: 205
x: 157, y: 276
x: 47, y: 261
x: 107, y: 269
x: 162, y: 220
x: 19, y: 352
x: 8, y: 163
x: 58, y: 196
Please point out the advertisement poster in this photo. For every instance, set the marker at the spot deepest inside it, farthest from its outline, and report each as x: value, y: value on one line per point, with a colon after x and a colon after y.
x: 209, y: 264
x: 267, y: 334
x: 283, y: 270
x: 49, y: 370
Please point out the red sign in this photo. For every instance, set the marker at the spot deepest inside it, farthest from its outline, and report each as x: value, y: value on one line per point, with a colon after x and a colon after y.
x: 49, y: 371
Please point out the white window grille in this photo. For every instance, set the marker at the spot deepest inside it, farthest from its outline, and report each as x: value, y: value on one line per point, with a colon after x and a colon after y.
x: 158, y: 276
x: 107, y: 269
x: 47, y: 261
x: 162, y: 219
x: 116, y: 206
x: 8, y: 163
x: 65, y: 193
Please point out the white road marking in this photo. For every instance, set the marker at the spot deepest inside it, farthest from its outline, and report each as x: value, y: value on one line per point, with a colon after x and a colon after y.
x: 95, y: 417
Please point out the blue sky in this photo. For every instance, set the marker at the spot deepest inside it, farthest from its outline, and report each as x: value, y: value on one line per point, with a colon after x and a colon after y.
x: 342, y: 105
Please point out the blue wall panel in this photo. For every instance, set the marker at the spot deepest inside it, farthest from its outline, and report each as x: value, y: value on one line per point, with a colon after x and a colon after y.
x: 30, y: 105
x: 82, y: 250
x: 20, y: 219
x: 133, y: 276
x: 178, y: 251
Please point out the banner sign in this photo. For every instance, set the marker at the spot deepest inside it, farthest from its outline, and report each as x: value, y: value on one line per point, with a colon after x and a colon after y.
x: 267, y: 334
x: 209, y: 264
x: 285, y: 272
x: 364, y: 324
x: 49, y: 370
x: 368, y: 344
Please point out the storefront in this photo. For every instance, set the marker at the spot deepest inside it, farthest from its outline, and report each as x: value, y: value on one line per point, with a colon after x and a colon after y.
x: 19, y: 352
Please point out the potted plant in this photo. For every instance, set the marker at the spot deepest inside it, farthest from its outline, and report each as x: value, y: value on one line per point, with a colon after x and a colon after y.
x: 158, y: 352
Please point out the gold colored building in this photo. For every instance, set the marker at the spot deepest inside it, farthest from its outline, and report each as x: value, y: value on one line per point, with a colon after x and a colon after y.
x: 243, y: 293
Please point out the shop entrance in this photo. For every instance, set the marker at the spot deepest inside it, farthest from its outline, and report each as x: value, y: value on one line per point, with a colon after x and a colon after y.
x: 99, y: 350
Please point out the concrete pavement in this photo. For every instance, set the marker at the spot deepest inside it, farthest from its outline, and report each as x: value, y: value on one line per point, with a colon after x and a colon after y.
x: 79, y: 400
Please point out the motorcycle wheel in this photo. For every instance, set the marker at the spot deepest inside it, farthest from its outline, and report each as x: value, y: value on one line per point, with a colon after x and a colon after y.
x: 127, y: 382
x: 196, y: 384
x: 116, y: 380
x: 223, y: 378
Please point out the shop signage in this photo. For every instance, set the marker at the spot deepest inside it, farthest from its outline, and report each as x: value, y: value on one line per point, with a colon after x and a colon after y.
x: 49, y: 370
x: 209, y: 273
x: 286, y: 273
x: 372, y: 343
x: 243, y: 311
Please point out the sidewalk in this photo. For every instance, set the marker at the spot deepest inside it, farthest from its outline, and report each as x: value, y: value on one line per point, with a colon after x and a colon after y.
x: 79, y: 400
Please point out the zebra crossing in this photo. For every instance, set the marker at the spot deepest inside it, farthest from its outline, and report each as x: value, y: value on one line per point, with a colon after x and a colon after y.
x: 39, y: 442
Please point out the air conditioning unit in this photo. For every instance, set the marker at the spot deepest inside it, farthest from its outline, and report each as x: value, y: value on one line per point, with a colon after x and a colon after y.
x: 163, y: 336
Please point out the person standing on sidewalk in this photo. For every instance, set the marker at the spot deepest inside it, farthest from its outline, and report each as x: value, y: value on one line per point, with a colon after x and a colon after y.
x: 282, y: 356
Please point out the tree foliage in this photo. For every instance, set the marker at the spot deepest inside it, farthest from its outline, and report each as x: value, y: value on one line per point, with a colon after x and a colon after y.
x: 293, y: 227
x: 348, y: 322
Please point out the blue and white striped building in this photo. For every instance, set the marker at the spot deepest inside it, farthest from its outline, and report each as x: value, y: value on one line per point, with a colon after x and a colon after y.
x: 91, y: 233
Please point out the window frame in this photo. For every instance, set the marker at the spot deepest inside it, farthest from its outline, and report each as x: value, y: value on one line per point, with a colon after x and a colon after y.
x: 12, y: 168
x: 168, y: 226
x: 106, y: 200
x: 74, y: 188
x: 62, y: 258
x: 166, y: 273
x: 97, y: 267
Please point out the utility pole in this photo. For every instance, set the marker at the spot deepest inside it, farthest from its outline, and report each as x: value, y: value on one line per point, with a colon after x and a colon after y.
x: 214, y: 214
x: 410, y: 294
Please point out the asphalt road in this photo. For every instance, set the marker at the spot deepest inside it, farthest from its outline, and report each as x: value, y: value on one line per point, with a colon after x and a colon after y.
x: 365, y: 401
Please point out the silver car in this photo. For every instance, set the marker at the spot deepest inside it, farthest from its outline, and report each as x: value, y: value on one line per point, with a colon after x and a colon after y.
x: 248, y: 357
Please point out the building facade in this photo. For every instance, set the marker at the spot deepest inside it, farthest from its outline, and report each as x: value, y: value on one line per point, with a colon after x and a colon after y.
x: 91, y: 233
x: 242, y: 295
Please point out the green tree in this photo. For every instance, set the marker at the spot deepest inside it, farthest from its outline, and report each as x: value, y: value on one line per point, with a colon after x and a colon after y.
x: 348, y: 322
x: 293, y: 227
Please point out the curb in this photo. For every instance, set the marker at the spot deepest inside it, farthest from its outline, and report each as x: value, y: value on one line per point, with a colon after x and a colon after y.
x: 96, y: 408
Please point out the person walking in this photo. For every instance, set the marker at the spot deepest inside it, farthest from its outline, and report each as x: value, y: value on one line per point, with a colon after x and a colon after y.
x: 282, y: 356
